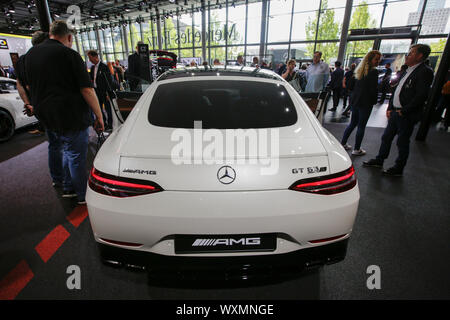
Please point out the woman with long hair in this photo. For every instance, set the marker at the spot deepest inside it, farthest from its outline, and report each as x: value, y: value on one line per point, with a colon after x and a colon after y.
x: 364, y: 96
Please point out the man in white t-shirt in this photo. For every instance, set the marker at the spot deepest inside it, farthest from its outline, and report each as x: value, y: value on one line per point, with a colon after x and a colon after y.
x: 317, y: 74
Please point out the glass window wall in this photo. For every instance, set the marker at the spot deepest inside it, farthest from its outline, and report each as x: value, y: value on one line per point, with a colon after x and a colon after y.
x: 279, y: 22
x: 237, y: 30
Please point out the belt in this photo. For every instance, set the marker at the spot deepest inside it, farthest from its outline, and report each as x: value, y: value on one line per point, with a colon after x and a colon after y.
x: 396, y: 109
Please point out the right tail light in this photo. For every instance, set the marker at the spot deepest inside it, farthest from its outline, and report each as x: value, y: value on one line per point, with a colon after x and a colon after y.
x: 329, y: 184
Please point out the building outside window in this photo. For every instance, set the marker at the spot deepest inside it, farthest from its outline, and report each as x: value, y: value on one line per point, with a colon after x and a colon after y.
x: 294, y: 29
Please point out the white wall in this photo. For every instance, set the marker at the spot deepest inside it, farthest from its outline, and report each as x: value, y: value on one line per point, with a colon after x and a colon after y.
x: 19, y: 45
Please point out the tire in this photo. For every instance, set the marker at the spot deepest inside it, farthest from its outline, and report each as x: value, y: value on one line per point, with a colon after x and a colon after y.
x: 7, y: 126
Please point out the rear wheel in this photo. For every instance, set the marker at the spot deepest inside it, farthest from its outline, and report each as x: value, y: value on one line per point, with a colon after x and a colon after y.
x: 6, y: 126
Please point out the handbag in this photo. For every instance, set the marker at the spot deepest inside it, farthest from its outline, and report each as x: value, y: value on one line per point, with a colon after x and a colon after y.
x: 295, y: 83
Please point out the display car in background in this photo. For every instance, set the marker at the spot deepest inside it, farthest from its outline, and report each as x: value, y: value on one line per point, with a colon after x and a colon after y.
x: 151, y: 204
x: 11, y: 109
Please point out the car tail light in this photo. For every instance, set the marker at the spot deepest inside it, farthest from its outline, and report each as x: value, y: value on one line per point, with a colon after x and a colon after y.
x: 120, y: 187
x: 329, y: 184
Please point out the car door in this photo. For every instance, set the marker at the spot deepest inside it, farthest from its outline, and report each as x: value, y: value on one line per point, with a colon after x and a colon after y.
x: 11, y: 95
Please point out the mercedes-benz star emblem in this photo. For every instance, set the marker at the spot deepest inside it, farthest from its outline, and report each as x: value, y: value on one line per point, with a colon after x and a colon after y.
x: 226, y: 175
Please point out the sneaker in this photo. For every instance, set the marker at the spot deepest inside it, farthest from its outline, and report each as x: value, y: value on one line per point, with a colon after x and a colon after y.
x: 346, y: 114
x: 347, y: 146
x: 56, y: 184
x: 373, y: 163
x: 359, y: 152
x: 69, y: 194
x: 394, y: 172
x: 332, y: 109
x: 81, y: 202
x: 441, y: 127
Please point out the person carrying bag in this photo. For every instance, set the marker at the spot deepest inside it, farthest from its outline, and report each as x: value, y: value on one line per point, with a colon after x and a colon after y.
x: 292, y: 76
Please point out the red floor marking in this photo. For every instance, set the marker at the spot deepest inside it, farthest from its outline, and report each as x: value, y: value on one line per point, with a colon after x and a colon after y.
x: 15, y: 281
x: 47, y: 247
x: 77, y: 216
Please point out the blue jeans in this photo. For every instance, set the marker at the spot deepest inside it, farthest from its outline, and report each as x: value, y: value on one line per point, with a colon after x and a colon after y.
x: 74, y: 146
x: 360, y: 116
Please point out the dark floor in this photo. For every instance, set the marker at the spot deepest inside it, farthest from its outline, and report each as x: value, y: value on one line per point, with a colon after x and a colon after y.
x: 402, y: 226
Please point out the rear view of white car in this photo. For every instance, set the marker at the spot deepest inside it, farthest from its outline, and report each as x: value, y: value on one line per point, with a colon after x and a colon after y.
x: 224, y: 164
x: 11, y: 109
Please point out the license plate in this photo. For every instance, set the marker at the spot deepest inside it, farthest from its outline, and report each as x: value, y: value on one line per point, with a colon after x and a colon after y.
x: 225, y: 243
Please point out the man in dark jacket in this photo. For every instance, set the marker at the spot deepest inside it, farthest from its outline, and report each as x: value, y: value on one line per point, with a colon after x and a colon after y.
x: 405, y: 109
x: 133, y: 72
x: 336, y: 84
x: 103, y: 84
x: 348, y: 84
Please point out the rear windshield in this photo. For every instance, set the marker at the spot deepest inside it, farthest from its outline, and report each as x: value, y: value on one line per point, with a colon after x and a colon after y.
x: 222, y: 104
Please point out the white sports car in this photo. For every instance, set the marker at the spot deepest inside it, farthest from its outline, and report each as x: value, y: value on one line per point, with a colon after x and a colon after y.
x: 167, y: 185
x: 11, y: 109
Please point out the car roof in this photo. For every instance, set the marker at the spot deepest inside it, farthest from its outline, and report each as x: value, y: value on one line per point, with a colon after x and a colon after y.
x: 7, y: 79
x: 221, y: 71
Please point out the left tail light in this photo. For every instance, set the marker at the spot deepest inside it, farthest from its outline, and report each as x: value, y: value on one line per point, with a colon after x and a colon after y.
x: 329, y: 184
x: 120, y: 187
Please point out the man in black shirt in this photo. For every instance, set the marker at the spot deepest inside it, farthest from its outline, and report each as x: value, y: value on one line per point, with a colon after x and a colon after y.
x: 37, y: 38
x: 62, y: 97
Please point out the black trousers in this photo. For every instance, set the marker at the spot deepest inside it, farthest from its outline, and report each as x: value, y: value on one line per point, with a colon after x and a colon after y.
x: 384, y: 90
x: 345, y: 95
x: 336, y: 96
x: 102, y: 100
x: 401, y: 126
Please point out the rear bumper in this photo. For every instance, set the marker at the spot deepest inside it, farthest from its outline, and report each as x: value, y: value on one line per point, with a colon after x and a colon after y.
x: 151, y: 221
x: 161, y: 267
